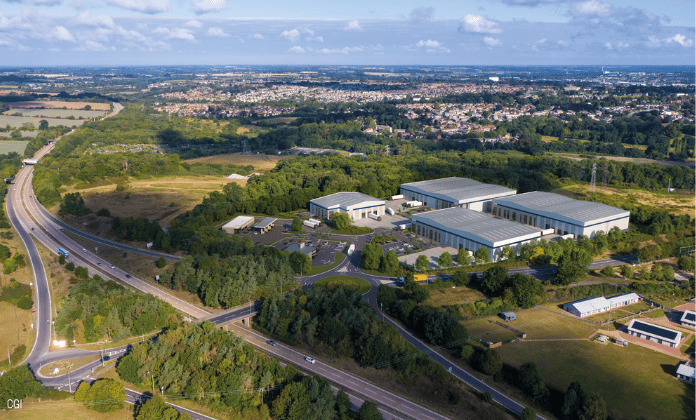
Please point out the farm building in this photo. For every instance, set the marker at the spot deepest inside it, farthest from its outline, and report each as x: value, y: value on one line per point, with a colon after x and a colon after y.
x: 686, y: 373
x: 454, y: 192
x: 688, y: 319
x: 470, y: 229
x: 301, y: 247
x: 356, y: 205
x: 597, y: 305
x: 655, y: 333
x: 238, y: 224
x: 508, y: 316
x: 265, y: 225
x: 563, y: 214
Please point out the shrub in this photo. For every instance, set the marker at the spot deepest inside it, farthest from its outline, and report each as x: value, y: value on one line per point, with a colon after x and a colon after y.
x: 61, y: 259
x: 70, y: 266
x: 81, y: 272
x: 487, y: 397
x: 161, y: 262
x: 104, y: 212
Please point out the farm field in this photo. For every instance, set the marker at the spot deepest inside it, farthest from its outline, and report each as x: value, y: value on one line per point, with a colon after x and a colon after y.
x: 9, y: 146
x: 57, y: 113
x: 52, y: 122
x: 158, y: 199
x: 24, y: 134
x: 676, y: 203
x: 259, y: 162
x: 63, y: 410
x: 634, y: 381
x: 444, y: 296
x: 97, y: 106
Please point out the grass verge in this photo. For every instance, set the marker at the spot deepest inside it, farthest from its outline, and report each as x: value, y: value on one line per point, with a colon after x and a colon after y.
x: 354, y: 283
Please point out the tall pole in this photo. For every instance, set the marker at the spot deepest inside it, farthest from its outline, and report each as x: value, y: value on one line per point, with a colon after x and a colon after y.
x: 8, y: 355
x: 69, y: 381
x: 102, y: 354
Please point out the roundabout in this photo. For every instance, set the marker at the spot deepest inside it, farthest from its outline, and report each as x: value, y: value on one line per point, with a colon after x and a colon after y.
x: 356, y: 284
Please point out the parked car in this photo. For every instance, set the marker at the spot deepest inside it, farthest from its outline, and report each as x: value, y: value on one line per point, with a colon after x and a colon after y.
x: 309, y: 359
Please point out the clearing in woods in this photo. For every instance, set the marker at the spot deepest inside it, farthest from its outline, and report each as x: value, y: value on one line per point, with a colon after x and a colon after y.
x: 678, y: 202
x: 259, y: 162
x: 158, y: 199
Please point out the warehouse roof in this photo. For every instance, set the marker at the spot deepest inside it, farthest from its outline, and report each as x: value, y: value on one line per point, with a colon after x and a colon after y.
x: 562, y: 208
x: 655, y: 330
x: 239, y: 222
x: 476, y: 226
x: 345, y: 200
x: 590, y: 304
x: 265, y: 222
x: 459, y: 190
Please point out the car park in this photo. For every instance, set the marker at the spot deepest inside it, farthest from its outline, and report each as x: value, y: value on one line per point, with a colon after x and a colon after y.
x: 309, y: 359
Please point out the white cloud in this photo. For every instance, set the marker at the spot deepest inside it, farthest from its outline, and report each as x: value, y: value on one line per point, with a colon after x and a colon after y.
x: 681, y: 40
x: 91, y: 46
x: 608, y: 46
x: 492, y: 42
x: 61, y: 34
x: 256, y: 36
x: 478, y: 24
x: 143, y: 6
x: 622, y: 45
x: 297, y: 49
x: 314, y: 38
x: 193, y: 23
x: 292, y: 35
x: 563, y: 43
x: 217, y: 32
x: 89, y: 19
x: 344, y: 50
x: 353, y: 25
x: 200, y: 7
x: 432, y: 46
x: 176, y: 33
x: 37, y: 2
x: 539, y: 43
x: 591, y: 7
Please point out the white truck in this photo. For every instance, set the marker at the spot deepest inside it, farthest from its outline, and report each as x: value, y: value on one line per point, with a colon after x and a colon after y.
x: 396, y: 197
x: 375, y: 217
x: 390, y: 211
x: 350, y: 250
x: 413, y: 203
x: 315, y: 221
x: 310, y: 224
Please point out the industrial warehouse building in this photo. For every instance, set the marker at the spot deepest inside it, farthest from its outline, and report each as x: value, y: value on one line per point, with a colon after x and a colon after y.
x: 356, y: 205
x: 655, y: 333
x: 564, y: 215
x: 265, y: 225
x: 454, y: 192
x: 238, y: 224
x: 597, y: 305
x: 688, y: 319
x: 470, y: 229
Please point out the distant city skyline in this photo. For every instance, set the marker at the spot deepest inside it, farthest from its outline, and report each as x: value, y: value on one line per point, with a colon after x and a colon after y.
x: 445, y: 32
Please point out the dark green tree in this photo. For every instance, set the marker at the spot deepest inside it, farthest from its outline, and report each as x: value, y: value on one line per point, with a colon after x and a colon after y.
x: 296, y: 225
x: 161, y: 262
x: 369, y: 411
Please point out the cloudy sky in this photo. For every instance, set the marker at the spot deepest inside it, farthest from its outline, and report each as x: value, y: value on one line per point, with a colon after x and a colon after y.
x: 387, y: 32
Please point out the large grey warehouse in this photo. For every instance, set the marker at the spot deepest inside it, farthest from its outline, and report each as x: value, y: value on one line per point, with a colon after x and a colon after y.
x: 563, y: 214
x: 469, y: 229
x: 356, y: 205
x: 454, y: 192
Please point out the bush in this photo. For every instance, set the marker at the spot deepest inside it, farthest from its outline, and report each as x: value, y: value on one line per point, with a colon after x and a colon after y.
x: 454, y: 398
x: 608, y: 271
x: 25, y: 302
x: 528, y: 414
x: 70, y: 266
x: 467, y: 352
x: 487, y: 397
x: 61, y: 259
x: 488, y: 361
x: 10, y: 266
x: 686, y: 263
x: 161, y: 262
x: 104, y: 212
x: 81, y: 272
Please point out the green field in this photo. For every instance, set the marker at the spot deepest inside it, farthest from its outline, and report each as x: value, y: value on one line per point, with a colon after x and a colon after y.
x: 540, y: 324
x: 17, y: 122
x: 485, y: 330
x: 9, y: 146
x: 24, y: 133
x: 634, y: 381
x: 56, y: 113
x: 354, y: 283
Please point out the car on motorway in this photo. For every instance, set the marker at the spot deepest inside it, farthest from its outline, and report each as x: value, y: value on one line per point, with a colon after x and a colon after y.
x: 271, y: 342
x: 111, y: 266
x: 84, y: 250
x: 98, y: 262
x: 128, y: 275
x: 309, y: 359
x: 106, y: 358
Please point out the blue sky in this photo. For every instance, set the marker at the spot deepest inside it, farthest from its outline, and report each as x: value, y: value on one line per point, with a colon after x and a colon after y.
x: 447, y: 32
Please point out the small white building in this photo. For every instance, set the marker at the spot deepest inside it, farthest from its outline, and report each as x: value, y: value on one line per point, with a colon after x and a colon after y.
x: 597, y: 305
x: 686, y: 373
x: 654, y: 333
x: 356, y: 205
x: 688, y: 319
x: 563, y: 214
x: 237, y: 224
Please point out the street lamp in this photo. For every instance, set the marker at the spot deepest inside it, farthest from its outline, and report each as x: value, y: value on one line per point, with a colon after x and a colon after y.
x: 153, y: 382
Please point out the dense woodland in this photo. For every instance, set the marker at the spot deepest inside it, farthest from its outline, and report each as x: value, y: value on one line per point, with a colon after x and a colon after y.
x: 217, y: 369
x: 95, y: 309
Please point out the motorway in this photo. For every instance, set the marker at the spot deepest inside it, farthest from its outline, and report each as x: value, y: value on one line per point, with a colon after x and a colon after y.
x: 28, y: 216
